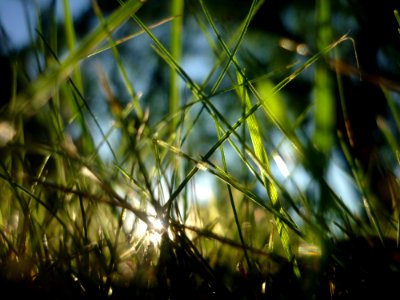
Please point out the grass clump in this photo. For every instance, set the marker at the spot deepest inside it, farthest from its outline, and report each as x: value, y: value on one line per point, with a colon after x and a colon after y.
x: 102, y: 183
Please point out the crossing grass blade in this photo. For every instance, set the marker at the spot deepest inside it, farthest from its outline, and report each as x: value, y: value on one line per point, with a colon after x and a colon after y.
x: 39, y: 92
x: 70, y: 39
x: 68, y: 211
x: 261, y: 154
x: 117, y: 57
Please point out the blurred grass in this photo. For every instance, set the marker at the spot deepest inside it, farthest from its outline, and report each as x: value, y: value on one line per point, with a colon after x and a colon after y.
x: 177, y: 10
x: 324, y: 102
x: 73, y: 222
x: 41, y: 90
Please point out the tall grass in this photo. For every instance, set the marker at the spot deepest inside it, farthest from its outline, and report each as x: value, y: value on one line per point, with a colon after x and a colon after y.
x: 74, y: 223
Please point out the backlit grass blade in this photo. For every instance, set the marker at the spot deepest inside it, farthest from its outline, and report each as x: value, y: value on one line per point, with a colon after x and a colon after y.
x: 128, y: 85
x: 262, y: 103
x: 39, y: 92
x: 79, y: 101
x: 129, y: 37
x: 177, y: 10
x: 389, y: 136
x: 214, y: 88
x: 71, y: 41
x: 261, y: 154
x: 394, y: 109
x: 49, y: 49
x: 361, y: 180
x: 324, y: 113
x: 256, y: 137
x: 196, y: 90
x: 397, y: 16
x: 227, y: 178
x: 231, y: 54
x: 232, y: 202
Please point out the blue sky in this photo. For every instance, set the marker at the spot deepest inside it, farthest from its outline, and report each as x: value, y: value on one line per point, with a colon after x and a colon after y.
x: 16, y: 17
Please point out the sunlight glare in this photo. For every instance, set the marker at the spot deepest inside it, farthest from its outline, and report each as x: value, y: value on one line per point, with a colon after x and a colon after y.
x: 204, y: 188
x: 152, y: 233
x: 155, y: 232
x: 309, y: 250
x: 7, y: 133
x: 281, y: 165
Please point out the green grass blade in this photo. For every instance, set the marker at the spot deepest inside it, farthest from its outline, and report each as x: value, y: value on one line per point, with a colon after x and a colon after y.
x: 129, y: 37
x: 361, y: 179
x: 128, y: 85
x: 251, y: 111
x: 205, y: 165
x: 389, y: 136
x: 177, y: 10
x: 39, y: 92
x: 230, y: 54
x: 324, y: 114
x: 397, y: 16
x: 261, y: 154
x: 71, y: 41
x: 394, y: 109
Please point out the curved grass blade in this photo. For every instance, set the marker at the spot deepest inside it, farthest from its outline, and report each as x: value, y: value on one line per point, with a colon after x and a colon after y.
x: 232, y: 128
x: 261, y: 154
x: 129, y: 37
x: 128, y: 85
x: 39, y: 92
x: 71, y: 41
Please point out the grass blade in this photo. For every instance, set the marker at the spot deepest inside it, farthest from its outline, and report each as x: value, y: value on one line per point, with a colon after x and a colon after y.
x: 39, y: 92
x: 261, y: 154
x: 177, y: 10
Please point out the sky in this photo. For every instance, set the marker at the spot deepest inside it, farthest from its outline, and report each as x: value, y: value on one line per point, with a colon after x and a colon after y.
x: 17, y: 16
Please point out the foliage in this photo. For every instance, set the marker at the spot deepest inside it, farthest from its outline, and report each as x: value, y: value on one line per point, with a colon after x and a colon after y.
x: 101, y: 182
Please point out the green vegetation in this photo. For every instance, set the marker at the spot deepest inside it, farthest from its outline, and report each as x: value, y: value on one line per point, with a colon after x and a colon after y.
x: 102, y: 184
